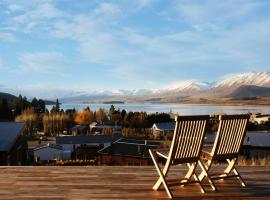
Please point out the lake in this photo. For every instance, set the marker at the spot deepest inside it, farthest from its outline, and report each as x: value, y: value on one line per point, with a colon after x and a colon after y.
x: 181, y: 109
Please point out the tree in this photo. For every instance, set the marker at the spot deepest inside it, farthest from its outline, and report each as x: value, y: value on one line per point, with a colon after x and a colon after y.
x: 21, y: 104
x: 38, y: 105
x: 123, y: 114
x: 5, y: 110
x: 85, y: 117
x: 56, y: 108
x: 41, y: 106
x: 101, y: 116
x: 158, y: 117
x: 54, y: 123
x: 111, y: 112
x: 30, y: 118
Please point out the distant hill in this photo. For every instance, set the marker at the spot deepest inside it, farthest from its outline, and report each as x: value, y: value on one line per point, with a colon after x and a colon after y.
x: 9, y: 97
x: 48, y: 102
x: 250, y: 91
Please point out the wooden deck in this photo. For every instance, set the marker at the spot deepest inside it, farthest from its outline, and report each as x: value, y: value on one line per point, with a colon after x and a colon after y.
x: 119, y: 183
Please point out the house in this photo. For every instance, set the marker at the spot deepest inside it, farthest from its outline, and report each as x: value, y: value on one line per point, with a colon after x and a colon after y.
x: 50, y: 152
x: 261, y: 119
x: 85, y: 146
x: 79, y: 130
x: 12, y: 146
x: 105, y: 129
x: 256, y: 145
x: 128, y: 152
x: 163, y: 130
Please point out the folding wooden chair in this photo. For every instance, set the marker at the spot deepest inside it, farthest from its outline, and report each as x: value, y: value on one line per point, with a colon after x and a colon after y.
x: 186, y: 147
x: 229, y: 138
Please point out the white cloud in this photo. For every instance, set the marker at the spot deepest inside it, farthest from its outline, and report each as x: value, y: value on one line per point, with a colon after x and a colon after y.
x: 214, y: 11
x: 107, y: 8
x: 14, y: 7
x: 8, y: 37
x: 144, y: 3
x: 206, y: 35
x: 42, y: 62
x: 28, y: 15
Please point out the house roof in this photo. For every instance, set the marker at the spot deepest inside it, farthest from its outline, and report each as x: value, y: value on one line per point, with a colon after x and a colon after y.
x: 257, y: 139
x: 78, y: 128
x: 9, y: 132
x: 86, y: 139
x: 130, y: 148
x: 165, y: 126
x: 103, y: 126
x: 49, y: 145
x: 138, y: 142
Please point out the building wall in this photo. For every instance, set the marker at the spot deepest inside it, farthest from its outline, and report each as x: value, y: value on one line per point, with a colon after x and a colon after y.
x: 17, y: 154
x: 167, y: 135
x: 123, y: 160
x: 70, y: 147
x: 261, y: 120
x: 255, y: 152
x: 46, y: 154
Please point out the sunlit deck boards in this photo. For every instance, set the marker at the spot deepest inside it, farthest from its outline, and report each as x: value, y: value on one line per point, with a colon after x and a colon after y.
x: 119, y: 183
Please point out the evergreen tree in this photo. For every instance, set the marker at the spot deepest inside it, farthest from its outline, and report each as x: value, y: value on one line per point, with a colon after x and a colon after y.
x: 5, y: 110
x: 57, y: 106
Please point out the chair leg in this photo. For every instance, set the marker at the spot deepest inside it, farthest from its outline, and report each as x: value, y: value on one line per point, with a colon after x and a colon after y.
x: 191, y: 172
x: 231, y: 168
x: 200, y: 184
x: 204, y: 174
x: 206, y: 166
x: 159, y: 181
x: 161, y: 175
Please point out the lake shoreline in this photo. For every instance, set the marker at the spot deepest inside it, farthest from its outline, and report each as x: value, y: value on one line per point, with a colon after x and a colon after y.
x: 177, y: 108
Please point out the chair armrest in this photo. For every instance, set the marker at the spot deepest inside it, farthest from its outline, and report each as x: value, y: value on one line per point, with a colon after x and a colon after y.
x: 206, y: 154
x: 161, y: 152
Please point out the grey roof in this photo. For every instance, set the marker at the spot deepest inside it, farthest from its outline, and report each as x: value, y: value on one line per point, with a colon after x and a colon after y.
x: 49, y: 145
x: 138, y: 142
x: 100, y: 139
x: 252, y: 138
x: 78, y: 128
x: 166, y: 126
x: 257, y: 139
x: 130, y: 148
x: 9, y: 132
x: 104, y: 126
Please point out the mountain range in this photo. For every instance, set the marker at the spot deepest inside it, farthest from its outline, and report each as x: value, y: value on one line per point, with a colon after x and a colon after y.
x: 246, y: 85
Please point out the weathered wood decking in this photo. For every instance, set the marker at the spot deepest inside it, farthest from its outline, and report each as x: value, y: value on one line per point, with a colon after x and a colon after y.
x: 120, y: 183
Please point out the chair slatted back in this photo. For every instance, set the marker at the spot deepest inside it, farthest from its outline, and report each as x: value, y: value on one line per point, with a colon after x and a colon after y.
x: 188, y: 138
x: 230, y: 135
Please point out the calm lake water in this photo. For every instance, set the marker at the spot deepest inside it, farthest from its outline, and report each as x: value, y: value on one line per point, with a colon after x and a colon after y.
x: 182, y: 109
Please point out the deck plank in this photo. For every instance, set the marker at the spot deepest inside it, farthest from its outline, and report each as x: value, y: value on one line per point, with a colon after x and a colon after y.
x: 120, y: 182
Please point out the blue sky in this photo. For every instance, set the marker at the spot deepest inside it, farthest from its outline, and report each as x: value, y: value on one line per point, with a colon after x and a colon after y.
x: 51, y: 47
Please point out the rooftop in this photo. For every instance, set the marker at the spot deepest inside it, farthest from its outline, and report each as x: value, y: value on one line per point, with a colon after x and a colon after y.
x: 9, y: 131
x: 120, y: 183
x: 86, y: 139
x: 165, y: 126
x: 130, y: 148
x: 257, y: 139
x: 49, y: 145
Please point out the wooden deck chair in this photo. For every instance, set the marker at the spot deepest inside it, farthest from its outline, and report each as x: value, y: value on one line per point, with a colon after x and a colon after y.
x: 186, y: 147
x: 229, y: 138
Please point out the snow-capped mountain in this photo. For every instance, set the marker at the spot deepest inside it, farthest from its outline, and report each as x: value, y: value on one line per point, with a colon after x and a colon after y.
x: 188, y: 86
x: 261, y: 79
